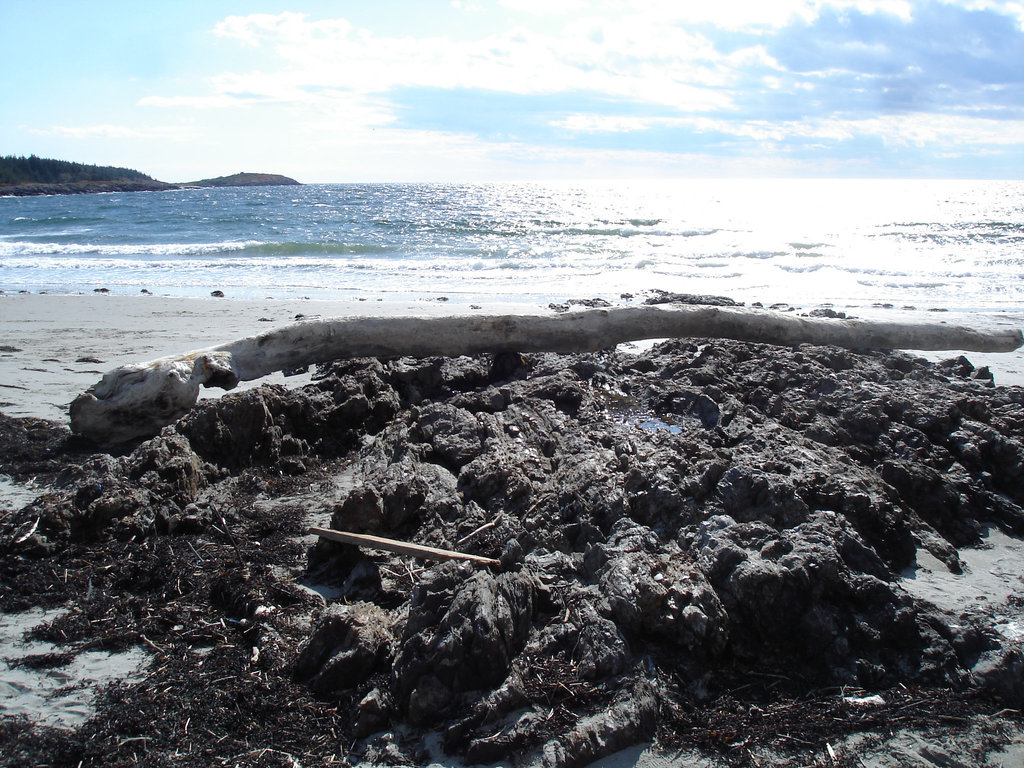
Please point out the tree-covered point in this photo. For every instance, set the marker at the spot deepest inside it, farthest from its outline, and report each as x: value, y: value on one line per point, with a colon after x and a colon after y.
x: 41, y: 170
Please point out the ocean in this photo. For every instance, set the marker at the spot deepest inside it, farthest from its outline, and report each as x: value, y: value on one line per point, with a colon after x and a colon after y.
x: 950, y: 245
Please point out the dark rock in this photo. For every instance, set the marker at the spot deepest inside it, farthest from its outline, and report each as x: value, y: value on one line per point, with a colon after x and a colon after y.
x: 667, y: 297
x: 792, y: 592
x: 396, y: 496
x: 629, y: 720
x: 347, y: 646
x: 827, y: 312
x: 957, y: 366
x: 417, y: 379
x: 491, y: 708
x: 595, y: 303
x: 661, y: 594
x: 461, y: 635
x: 600, y: 650
x: 511, y: 739
x: 168, y: 466
x: 374, y: 713
x: 127, y: 510
x: 453, y: 433
x: 1001, y: 672
x: 234, y: 431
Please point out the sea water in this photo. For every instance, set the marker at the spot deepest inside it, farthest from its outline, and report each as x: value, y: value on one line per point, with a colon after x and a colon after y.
x: 847, y: 243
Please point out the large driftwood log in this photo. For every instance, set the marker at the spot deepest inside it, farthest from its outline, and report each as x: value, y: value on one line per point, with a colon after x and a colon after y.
x: 137, y: 400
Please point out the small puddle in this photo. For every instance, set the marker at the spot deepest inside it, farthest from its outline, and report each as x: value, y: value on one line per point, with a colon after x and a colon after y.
x: 625, y: 409
x: 653, y: 424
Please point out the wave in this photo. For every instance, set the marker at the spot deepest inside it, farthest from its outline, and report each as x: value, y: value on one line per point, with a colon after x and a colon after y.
x: 62, y: 220
x: 23, y: 248
x: 169, y: 250
x: 802, y: 270
x: 625, y: 230
x: 761, y: 255
x: 321, y: 249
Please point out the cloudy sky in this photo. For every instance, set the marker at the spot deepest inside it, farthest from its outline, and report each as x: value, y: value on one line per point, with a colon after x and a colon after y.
x: 471, y: 90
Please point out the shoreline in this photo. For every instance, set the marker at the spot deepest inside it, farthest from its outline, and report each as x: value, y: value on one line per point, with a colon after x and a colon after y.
x: 56, y: 346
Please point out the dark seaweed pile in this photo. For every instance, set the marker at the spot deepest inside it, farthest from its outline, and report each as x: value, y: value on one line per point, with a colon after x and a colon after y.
x: 700, y: 545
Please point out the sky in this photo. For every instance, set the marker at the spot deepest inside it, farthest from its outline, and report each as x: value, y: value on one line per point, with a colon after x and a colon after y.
x: 490, y: 90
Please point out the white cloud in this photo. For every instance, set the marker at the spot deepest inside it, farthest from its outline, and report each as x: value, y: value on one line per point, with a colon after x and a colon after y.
x: 188, y: 102
x: 545, y: 7
x: 341, y: 86
x: 639, y: 50
x: 1006, y: 7
x: 754, y: 14
x: 108, y: 131
x: 895, y: 130
x: 592, y: 123
x: 902, y: 9
x: 287, y: 26
x: 730, y: 14
x: 631, y: 57
x: 943, y: 130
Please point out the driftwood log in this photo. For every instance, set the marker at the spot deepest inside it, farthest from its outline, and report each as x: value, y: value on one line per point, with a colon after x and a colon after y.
x: 138, y: 400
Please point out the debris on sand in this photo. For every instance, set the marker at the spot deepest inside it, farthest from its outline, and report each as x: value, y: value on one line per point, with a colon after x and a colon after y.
x: 704, y: 545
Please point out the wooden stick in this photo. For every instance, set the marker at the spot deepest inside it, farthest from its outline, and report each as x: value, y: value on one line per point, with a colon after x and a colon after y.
x: 401, y: 547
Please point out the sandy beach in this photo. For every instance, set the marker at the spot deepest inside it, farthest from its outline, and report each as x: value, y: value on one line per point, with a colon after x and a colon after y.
x: 56, y: 346
x: 664, y: 516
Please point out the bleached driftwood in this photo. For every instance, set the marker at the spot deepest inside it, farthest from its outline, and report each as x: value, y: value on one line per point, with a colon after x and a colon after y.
x: 137, y: 400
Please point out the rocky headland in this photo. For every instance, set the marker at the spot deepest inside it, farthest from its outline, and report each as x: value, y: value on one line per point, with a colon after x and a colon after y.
x: 26, y: 176
x: 705, y: 545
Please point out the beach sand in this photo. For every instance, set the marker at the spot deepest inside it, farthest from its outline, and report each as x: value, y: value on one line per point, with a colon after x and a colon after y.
x: 53, y: 347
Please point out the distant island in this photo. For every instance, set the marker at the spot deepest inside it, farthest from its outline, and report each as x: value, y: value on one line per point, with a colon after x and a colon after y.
x: 43, y: 176
x: 245, y: 180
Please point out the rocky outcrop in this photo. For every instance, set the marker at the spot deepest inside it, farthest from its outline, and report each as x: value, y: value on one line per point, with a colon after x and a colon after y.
x: 86, y: 187
x: 668, y: 523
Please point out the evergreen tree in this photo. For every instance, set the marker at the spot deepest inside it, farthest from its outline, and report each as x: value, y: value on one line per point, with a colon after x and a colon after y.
x: 39, y: 170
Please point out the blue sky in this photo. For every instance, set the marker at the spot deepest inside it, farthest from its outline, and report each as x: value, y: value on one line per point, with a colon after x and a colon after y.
x: 477, y: 90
